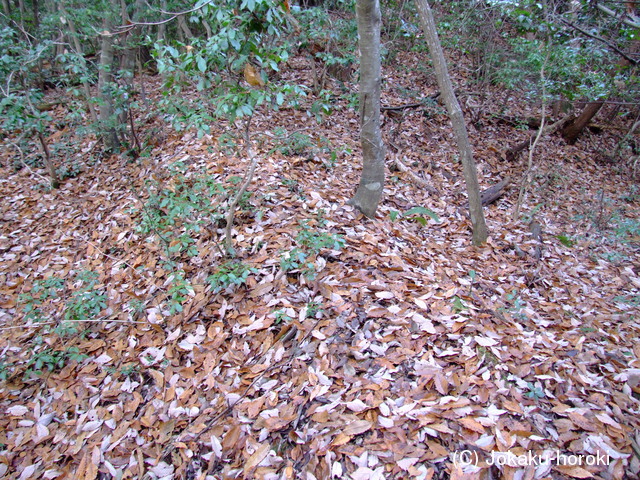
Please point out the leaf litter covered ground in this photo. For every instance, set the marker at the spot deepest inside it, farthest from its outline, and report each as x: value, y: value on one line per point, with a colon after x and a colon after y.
x: 408, y: 347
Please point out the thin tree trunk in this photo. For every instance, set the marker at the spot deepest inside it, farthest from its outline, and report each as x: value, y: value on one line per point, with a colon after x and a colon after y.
x: 246, y: 181
x: 5, y: 7
x: 571, y: 132
x: 76, y: 44
x: 162, y: 28
x: 457, y: 120
x: 36, y: 15
x: 161, y: 31
x: 105, y: 77
x: 22, y: 12
x: 182, y: 23
x: 369, y: 190
x: 55, y: 181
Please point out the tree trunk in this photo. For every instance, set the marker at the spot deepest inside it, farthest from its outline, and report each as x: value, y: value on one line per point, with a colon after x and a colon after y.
x: 457, y: 120
x: 55, y: 181
x: 162, y: 28
x: 5, y: 7
x: 76, y: 44
x: 571, y: 132
x: 36, y: 14
x: 105, y: 77
x: 22, y: 11
x: 182, y: 24
x: 369, y: 190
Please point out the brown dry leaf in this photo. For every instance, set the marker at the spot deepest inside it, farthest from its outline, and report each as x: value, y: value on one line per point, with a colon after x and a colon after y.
x: 260, y: 454
x: 252, y: 77
x: 357, y: 427
x: 512, y: 406
x: 573, y: 471
x: 471, y: 424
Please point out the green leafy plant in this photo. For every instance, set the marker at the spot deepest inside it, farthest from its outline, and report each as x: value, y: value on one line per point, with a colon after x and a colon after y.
x: 419, y: 214
x: 310, y: 242
x: 248, y: 36
x: 296, y: 143
x: 86, y: 301
x: 633, y: 300
x: 41, y: 292
x: 136, y: 305
x: 517, y: 307
x: 129, y: 370
x: 291, y: 184
x: 314, y: 310
x: 5, y: 370
x: 566, y: 240
x: 458, y: 305
x: 178, y: 291
x: 535, y: 392
x: 179, y: 208
x: 282, y: 317
x: 83, y: 300
x: 229, y: 274
x: 52, y: 360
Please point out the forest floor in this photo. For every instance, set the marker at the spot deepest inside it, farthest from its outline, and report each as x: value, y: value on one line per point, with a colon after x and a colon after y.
x: 400, y: 354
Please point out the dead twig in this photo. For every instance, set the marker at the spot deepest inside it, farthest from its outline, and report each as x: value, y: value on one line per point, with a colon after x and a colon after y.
x: 243, y: 188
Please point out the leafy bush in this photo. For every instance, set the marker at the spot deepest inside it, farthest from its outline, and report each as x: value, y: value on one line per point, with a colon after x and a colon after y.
x: 178, y: 290
x: 310, y: 243
x: 247, y: 33
x: 229, y: 274
x: 180, y: 208
x: 416, y: 213
x: 52, y: 360
x: 83, y: 301
x: 86, y: 301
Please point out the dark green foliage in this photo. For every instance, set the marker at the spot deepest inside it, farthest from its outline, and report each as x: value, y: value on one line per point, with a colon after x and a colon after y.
x: 231, y: 273
x: 178, y: 209
x: 310, y: 242
x: 246, y: 33
x: 566, y: 240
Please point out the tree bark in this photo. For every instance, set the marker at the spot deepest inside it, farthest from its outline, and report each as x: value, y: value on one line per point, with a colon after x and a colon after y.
x: 162, y: 27
x: 369, y: 192
x: 55, y: 181
x: 76, y: 44
x: 494, y: 192
x: 182, y: 24
x: 105, y: 76
x: 36, y: 15
x: 571, y: 132
x: 457, y: 120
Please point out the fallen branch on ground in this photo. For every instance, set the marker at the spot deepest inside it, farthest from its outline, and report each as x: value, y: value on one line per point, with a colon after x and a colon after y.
x: 511, y: 153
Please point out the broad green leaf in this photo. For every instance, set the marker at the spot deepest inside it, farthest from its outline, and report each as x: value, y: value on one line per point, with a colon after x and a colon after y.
x: 422, y: 211
x: 202, y: 64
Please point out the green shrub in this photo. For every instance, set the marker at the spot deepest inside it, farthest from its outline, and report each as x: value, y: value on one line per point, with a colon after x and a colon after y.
x: 229, y: 274
x: 309, y: 242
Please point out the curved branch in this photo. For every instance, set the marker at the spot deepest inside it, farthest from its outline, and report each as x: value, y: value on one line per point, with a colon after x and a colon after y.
x: 172, y: 16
